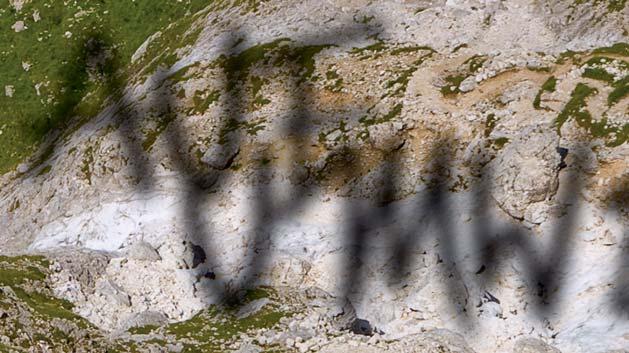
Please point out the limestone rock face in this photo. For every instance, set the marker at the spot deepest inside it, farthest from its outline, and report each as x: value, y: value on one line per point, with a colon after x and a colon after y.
x: 533, y: 345
x: 525, y: 173
x: 437, y: 341
x: 142, y: 251
x: 393, y: 168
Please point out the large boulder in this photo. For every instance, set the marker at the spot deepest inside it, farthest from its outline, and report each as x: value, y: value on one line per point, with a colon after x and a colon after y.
x: 525, y: 173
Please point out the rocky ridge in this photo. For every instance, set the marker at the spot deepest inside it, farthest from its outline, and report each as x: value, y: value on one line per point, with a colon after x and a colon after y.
x: 382, y: 166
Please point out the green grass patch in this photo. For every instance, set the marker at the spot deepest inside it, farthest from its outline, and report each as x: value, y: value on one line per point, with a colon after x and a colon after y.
x: 201, y: 104
x: 475, y: 63
x: 403, y: 77
x: 548, y: 86
x: 490, y: 124
x: 452, y: 84
x: 143, y: 330
x: 162, y: 123
x: 612, y: 5
x: 87, y: 164
x: 62, y: 82
x: 217, y: 325
x: 621, y: 89
x: 279, y: 53
x: 370, y: 51
x: 337, y: 81
x: 250, y: 127
x: 500, y: 142
x: 575, y: 109
x: 596, y: 72
x: 618, y: 48
x: 390, y: 115
x: 237, y: 66
x: 411, y: 49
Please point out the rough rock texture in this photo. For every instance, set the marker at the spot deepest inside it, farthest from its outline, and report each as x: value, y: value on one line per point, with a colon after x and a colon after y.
x: 533, y: 345
x: 447, y: 176
x: 526, y: 173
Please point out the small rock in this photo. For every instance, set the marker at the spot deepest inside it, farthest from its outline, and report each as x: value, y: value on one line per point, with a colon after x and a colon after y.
x: 361, y: 327
x: 220, y: 156
x: 533, y: 345
x: 468, y: 84
x: 142, y: 251
x: 109, y: 289
x: 9, y: 90
x: 19, y: 26
x: 145, y: 318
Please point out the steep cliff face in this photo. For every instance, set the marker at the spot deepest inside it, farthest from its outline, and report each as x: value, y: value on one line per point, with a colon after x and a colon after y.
x: 459, y: 165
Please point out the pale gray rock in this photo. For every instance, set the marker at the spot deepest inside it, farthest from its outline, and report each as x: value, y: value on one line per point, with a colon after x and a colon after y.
x: 9, y: 90
x: 437, y: 341
x: 142, y: 251
x: 76, y: 271
x: 143, y: 319
x: 220, y: 156
x: 522, y: 90
x: 468, y: 84
x: 252, y: 308
x: 526, y: 171
x: 249, y: 348
x: 19, y: 26
x: 112, y: 291
x: 533, y: 345
x: 387, y: 136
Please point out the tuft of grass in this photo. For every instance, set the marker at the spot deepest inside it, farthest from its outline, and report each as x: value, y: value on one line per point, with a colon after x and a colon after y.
x: 412, y: 49
x: 452, y: 86
x: 490, y: 124
x: 206, y: 331
x: 44, y: 170
x: 392, y: 114
x: 201, y: 104
x: 596, y: 72
x: 621, y: 89
x: 303, y: 56
x: 162, y: 123
x: 475, y: 63
x: 498, y: 143
x: 87, y: 164
x: 370, y: 51
x: 612, y: 5
x: 142, y: 330
x: 618, y: 48
x: 548, y: 86
x: 575, y: 109
x: 237, y: 66
x: 232, y: 125
x: 470, y: 66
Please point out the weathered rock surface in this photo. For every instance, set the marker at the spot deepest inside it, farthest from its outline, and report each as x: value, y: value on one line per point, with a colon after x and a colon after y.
x: 533, y: 345
x: 396, y: 169
x: 526, y: 173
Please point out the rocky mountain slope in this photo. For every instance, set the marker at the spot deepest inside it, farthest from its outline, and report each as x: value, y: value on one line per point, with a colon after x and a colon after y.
x: 417, y: 176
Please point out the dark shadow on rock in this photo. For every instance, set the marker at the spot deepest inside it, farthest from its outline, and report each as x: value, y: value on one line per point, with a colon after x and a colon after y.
x: 619, y: 202
x: 542, y: 267
x: 434, y: 213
